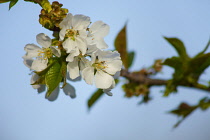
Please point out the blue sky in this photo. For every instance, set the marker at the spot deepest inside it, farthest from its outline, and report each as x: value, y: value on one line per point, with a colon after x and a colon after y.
x: 25, y: 114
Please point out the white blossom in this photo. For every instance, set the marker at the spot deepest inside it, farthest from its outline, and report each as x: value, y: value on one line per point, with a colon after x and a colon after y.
x: 97, y: 31
x: 103, y: 66
x: 74, y: 35
x: 36, y: 58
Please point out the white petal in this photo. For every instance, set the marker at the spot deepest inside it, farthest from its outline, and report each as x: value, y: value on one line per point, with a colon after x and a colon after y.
x: 69, y: 90
x: 108, y: 55
x: 66, y: 23
x: 34, y: 78
x: 43, y: 40
x: 83, y: 33
x: 100, y: 43
x: 72, y: 54
x: 99, y: 29
x: 88, y: 75
x: 113, y: 66
x: 91, y: 49
x: 93, y: 58
x: 62, y: 33
x: 73, y: 69
x: 83, y: 63
x: 39, y: 65
x: 80, y: 22
x: 73, y: 80
x: 27, y: 61
x: 103, y: 80
x: 32, y: 50
x: 81, y: 44
x: 55, y: 51
x: 117, y: 74
x: 108, y: 92
x: 69, y: 45
x: 41, y: 88
x: 54, y: 95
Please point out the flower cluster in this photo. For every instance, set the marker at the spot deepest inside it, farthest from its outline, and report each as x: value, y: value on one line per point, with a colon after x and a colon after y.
x: 80, y: 53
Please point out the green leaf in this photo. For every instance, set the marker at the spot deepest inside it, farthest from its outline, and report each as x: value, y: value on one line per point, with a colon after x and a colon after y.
x: 130, y: 58
x: 45, y: 4
x: 12, y: 3
x: 174, y: 62
x: 204, y: 103
x: 183, y: 111
x: 4, y: 1
x: 95, y: 96
x: 121, y: 46
x: 53, y: 76
x: 178, y: 46
x: 206, y: 47
x: 200, y: 63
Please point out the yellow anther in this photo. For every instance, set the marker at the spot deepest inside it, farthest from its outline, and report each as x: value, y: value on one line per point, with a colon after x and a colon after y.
x: 45, y: 53
x: 70, y: 33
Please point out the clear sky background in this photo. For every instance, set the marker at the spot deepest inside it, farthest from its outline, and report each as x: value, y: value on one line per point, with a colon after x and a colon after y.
x: 27, y: 115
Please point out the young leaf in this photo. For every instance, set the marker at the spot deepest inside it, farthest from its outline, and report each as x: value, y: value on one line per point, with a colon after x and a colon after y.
x: 95, y: 96
x: 131, y: 56
x: 45, y: 4
x: 206, y: 47
x: 178, y: 46
x: 121, y: 46
x: 12, y: 3
x: 183, y: 111
x: 204, y: 103
x: 199, y: 64
x: 53, y: 77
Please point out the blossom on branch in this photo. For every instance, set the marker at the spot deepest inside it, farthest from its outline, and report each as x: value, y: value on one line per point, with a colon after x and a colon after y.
x: 41, y: 55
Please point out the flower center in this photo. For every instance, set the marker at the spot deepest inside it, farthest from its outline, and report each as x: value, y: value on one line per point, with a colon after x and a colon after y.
x: 45, y: 53
x: 100, y: 65
x: 70, y: 33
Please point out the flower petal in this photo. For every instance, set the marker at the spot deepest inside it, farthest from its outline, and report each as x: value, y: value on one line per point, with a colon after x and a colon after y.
x: 39, y: 64
x: 108, y: 92
x: 99, y: 29
x: 43, y: 40
x: 91, y: 49
x: 41, y: 89
x: 101, y: 44
x: 80, y: 22
x: 69, y: 45
x: 88, y: 75
x: 54, y: 95
x: 81, y: 44
x: 113, y: 66
x: 72, y: 54
x: 27, y: 61
x: 62, y: 33
x: 69, y: 90
x: 73, y: 69
x: 55, y: 51
x: 103, y: 80
x: 108, y: 55
x: 83, y: 33
x: 32, y: 50
x: 34, y: 78
x: 66, y: 23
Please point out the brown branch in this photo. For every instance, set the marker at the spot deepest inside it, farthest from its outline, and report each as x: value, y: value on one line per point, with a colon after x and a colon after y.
x: 144, y: 79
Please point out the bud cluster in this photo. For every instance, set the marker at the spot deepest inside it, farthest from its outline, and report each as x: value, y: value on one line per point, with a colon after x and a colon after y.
x: 52, y: 19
